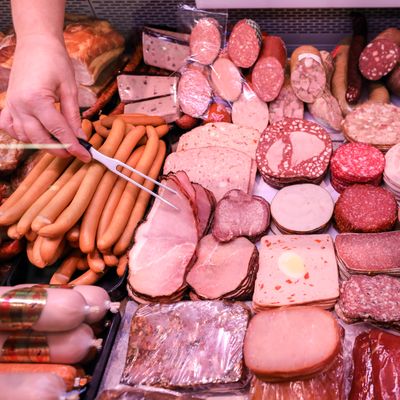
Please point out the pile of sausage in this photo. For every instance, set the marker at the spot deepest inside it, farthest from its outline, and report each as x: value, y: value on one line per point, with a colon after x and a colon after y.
x: 65, y: 205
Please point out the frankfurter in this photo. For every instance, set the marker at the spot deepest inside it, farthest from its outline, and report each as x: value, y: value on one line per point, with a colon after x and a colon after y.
x: 133, y: 119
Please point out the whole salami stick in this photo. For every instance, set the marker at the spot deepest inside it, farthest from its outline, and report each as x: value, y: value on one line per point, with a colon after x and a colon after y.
x: 381, y: 55
x: 112, y: 87
x: 358, y: 42
x: 268, y: 73
x: 307, y: 73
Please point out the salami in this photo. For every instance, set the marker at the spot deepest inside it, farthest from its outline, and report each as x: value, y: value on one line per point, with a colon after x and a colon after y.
x: 205, y: 41
x: 250, y: 111
x: 393, y: 81
x: 268, y: 73
x: 287, y: 104
x: 293, y: 151
x: 365, y: 208
x: 356, y: 163
x: 307, y: 73
x: 194, y: 93
x: 245, y: 43
x: 392, y: 170
x: 373, y: 123
x: 358, y: 42
x: 226, y: 79
x: 381, y: 55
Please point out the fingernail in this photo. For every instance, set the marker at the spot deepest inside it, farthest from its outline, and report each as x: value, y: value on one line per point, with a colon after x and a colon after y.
x: 81, y: 134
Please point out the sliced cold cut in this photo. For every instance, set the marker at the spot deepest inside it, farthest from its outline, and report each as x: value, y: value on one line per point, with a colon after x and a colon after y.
x: 293, y: 151
x: 294, y: 270
x: 268, y: 73
x: 365, y: 208
x: 240, y: 214
x: 205, y: 41
x: 245, y: 43
x: 224, y: 270
x: 250, y: 111
x: 226, y: 79
x: 206, y: 203
x: 194, y: 93
x: 290, y: 343
x: 303, y: 208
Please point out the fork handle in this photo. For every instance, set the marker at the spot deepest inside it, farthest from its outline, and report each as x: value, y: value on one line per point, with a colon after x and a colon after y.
x: 85, y: 144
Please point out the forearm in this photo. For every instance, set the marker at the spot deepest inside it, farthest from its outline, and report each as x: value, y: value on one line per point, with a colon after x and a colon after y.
x: 38, y: 17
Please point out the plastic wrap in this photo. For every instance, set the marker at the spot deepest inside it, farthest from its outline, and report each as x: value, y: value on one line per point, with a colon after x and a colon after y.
x: 188, y: 345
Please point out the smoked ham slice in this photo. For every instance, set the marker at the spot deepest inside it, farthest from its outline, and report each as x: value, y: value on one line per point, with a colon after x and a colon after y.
x: 165, y: 245
x: 224, y: 270
x: 294, y: 342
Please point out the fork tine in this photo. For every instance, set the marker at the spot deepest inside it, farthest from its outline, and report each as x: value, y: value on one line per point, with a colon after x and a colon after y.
x: 122, y: 165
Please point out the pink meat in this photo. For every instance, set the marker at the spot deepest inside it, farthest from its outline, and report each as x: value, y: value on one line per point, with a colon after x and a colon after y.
x: 205, y: 41
x: 205, y: 201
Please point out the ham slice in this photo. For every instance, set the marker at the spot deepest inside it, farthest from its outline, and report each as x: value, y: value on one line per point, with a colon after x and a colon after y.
x: 206, y: 202
x: 294, y: 342
x: 221, y: 270
x: 163, y: 251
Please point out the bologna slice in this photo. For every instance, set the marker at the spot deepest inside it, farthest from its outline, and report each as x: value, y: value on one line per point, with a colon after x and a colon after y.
x: 296, y: 270
x: 307, y: 73
x: 250, y: 111
x: 245, y: 43
x: 365, y: 208
x: 288, y: 343
x: 373, y: 123
x: 381, y: 55
x: 222, y: 268
x: 205, y: 41
x: 302, y: 208
x: 268, y: 73
x: 226, y: 79
x: 369, y: 253
x: 194, y: 93
x: 293, y: 150
x: 240, y: 214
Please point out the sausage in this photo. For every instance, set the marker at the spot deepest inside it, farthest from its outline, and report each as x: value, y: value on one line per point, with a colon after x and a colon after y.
x: 10, y: 249
x: 93, y: 212
x: 36, y: 258
x: 129, y: 196
x: 393, y: 81
x: 245, y: 43
x: 110, y: 259
x: 87, y: 128
x: 49, y: 248
x: 116, y: 193
x: 161, y: 130
x: 87, y: 278
x: 73, y: 234
x: 194, y: 93
x: 218, y: 112
x: 69, y: 347
x: 287, y: 104
x: 50, y: 310
x: 12, y: 232
x: 268, y: 74
x: 205, y: 41
x: 377, y: 92
x: 186, y: 122
x: 226, y: 79
x: 133, y: 119
x: 122, y: 264
x: 31, y: 386
x: 381, y: 55
x: 139, y: 208
x: 31, y: 235
x: 100, y: 129
x: 70, y: 216
x: 358, y: 42
x: 65, y: 271
x: 96, y: 262
x: 307, y: 73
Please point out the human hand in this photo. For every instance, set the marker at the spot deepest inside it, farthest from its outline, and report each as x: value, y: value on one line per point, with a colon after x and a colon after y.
x: 42, y: 75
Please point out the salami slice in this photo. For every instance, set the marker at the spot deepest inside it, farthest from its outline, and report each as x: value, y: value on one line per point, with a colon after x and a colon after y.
x: 381, y: 55
x: 194, y: 93
x: 226, y: 79
x: 307, y: 73
x: 365, y: 208
x: 293, y: 150
x: 268, y: 74
x: 245, y: 43
x: 205, y: 41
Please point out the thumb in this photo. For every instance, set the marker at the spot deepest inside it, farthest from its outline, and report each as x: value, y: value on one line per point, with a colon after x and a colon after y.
x: 70, y: 108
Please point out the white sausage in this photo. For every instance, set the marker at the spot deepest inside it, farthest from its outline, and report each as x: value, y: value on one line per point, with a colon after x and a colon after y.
x: 65, y: 309
x: 25, y: 386
x: 65, y: 347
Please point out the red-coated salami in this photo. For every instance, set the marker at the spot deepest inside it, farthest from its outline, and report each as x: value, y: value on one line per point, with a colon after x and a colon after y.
x: 205, y: 41
x: 245, y: 43
x: 381, y: 55
x: 268, y: 73
x: 194, y: 93
x: 365, y: 208
x: 293, y: 151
